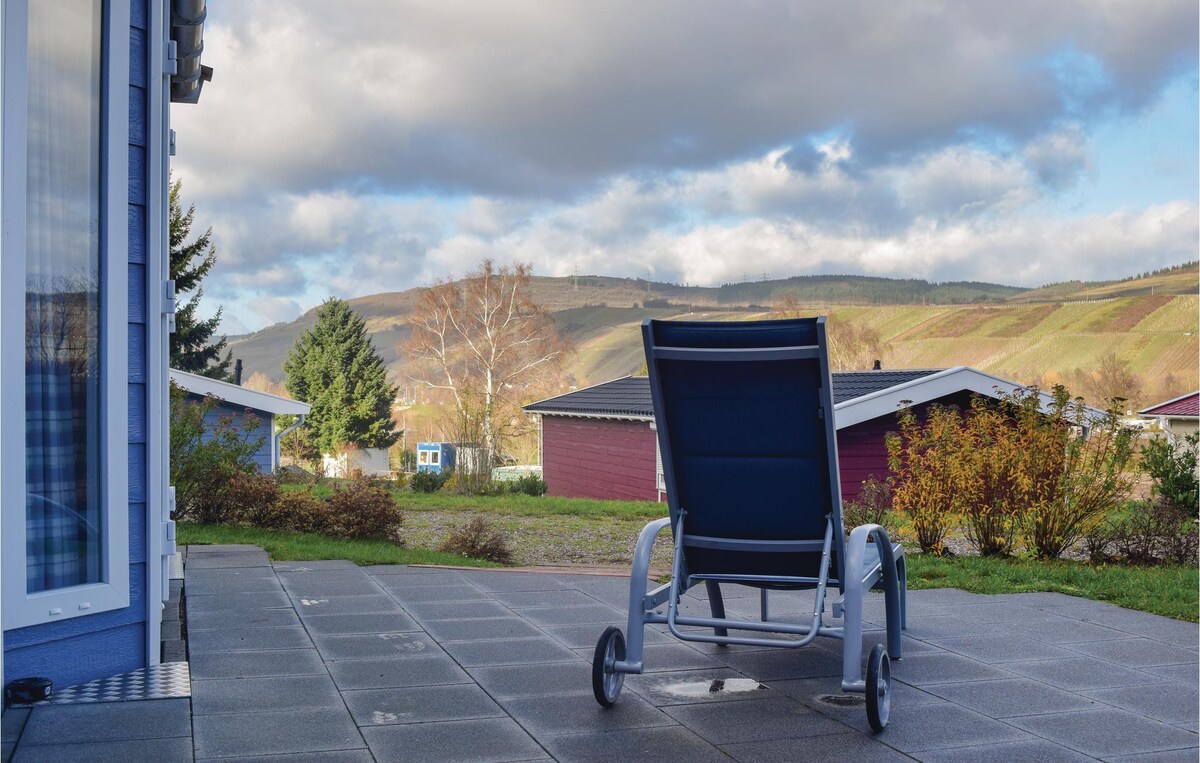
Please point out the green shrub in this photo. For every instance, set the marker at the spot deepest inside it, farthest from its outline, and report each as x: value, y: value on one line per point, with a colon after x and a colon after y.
x: 247, y: 498
x: 929, y: 476
x: 362, y: 510
x: 428, y: 482
x: 1172, y: 469
x: 205, y: 457
x: 477, y: 539
x: 529, y: 484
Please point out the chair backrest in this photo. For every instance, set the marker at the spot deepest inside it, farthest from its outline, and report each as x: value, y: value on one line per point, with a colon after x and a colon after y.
x: 744, y: 411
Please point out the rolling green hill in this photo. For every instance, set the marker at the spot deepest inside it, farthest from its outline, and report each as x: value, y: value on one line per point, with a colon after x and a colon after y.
x: 1023, y: 334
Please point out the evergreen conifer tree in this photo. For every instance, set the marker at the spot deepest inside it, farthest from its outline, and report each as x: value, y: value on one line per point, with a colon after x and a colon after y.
x: 335, y: 368
x: 192, y: 345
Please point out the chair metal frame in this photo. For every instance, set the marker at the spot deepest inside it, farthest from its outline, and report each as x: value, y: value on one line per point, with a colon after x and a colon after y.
x: 867, y: 560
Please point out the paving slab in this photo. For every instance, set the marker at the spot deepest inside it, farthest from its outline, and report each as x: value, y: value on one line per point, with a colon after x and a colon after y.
x: 515, y: 581
x: 928, y: 669
x: 1011, y: 697
x: 249, y: 618
x: 438, y: 593
x: 387, y: 622
x: 472, y: 630
x: 1082, y: 674
x: 940, y: 725
x: 1137, y: 652
x: 456, y: 610
x: 859, y: 748
x: 671, y: 744
x: 167, y: 750
x: 277, y: 662
x: 237, y: 601
x: 1107, y: 732
x: 521, y: 651
x: 332, y: 756
x: 520, y: 681
x: 1171, y: 702
x: 377, y: 707
x: 1026, y: 751
x: 248, y: 639
x: 753, y: 721
x: 493, y: 739
x: 275, y: 733
x: 396, y: 645
x: 579, y: 713
x: 106, y: 721
x: 247, y: 695
x: 387, y: 673
x: 319, y: 564
x: 371, y: 604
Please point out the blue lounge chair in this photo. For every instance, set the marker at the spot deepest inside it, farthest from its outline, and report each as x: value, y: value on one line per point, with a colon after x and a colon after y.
x: 744, y: 413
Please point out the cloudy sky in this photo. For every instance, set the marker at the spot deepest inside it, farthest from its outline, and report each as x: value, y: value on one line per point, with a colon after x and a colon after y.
x: 355, y: 147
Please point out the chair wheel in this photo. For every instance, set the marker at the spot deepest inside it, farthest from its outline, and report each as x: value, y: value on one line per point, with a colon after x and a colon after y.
x: 606, y: 682
x: 879, y: 688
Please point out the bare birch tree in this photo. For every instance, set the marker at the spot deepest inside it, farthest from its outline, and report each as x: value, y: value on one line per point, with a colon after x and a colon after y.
x: 852, y: 346
x: 485, y: 342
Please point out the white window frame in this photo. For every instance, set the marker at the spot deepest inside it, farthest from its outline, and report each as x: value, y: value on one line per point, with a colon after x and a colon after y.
x: 21, y: 608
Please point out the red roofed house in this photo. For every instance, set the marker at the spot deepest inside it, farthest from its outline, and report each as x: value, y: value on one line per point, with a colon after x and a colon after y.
x: 600, y: 441
x: 1178, y: 417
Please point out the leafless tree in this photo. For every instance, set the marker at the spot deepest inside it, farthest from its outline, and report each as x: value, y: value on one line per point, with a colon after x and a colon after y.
x: 852, y: 346
x: 486, y: 343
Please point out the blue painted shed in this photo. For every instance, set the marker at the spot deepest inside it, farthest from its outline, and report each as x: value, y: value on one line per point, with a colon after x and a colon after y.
x: 86, y: 305
x: 252, y: 411
x: 436, y: 457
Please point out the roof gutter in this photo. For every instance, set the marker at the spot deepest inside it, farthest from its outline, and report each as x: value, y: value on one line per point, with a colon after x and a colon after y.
x: 187, y: 38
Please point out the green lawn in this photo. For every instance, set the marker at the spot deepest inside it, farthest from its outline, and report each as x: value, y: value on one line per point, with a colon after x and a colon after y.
x: 1169, y: 591
x: 287, y: 547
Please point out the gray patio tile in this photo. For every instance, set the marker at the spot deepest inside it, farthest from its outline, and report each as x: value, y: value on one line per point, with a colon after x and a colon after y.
x: 927, y: 669
x: 528, y: 599
x: 909, y: 646
x: 1107, y: 732
x: 670, y: 744
x: 992, y: 612
x: 227, y: 561
x: 491, y: 628
x: 278, y: 733
x: 388, y: 622
x: 577, y: 713
x: 857, y: 747
x: 1178, y: 673
x: 522, y: 681
x: 927, y: 628
x: 437, y: 593
x: 169, y: 750
x: 374, y: 707
x: 416, y: 578
x: 106, y: 722
x: 278, y: 662
x: 1000, y: 649
x: 1012, y: 697
x: 247, y: 695
x: 811, y: 691
x: 587, y: 613
x: 670, y: 657
x: 514, y: 581
x: 689, y: 686
x: 237, y: 601
x: 1025, y: 751
x: 1067, y: 631
x: 230, y: 573
x: 244, y: 639
x: 522, y: 651
x: 318, y: 564
x: 12, y: 721
x: 782, y: 664
x: 317, y: 585
x: 373, y: 604
x: 585, y: 636
x: 494, y: 740
x: 1135, y: 622
x: 242, y: 618
x: 360, y: 646
x: 947, y: 596
x: 1186, y: 755
x: 456, y: 610
x: 1081, y: 674
x: 401, y: 569
x: 1137, y: 652
x: 938, y: 725
x: 330, y: 756
x: 1171, y: 702
x: 1040, y: 599
x: 754, y: 721
x: 390, y: 673
x: 233, y: 584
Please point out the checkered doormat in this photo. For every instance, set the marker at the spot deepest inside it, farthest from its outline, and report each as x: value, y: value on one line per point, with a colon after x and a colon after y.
x: 169, y: 680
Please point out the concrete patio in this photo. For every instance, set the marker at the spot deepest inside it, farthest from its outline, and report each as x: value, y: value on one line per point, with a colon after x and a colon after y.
x: 327, y: 661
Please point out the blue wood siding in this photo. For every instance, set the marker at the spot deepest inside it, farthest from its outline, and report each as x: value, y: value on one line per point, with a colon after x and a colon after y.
x: 253, y: 424
x: 94, y: 646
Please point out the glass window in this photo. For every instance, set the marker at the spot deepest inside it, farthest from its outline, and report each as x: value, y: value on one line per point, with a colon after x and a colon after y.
x: 62, y: 304
x: 434, y: 457
x: 423, y: 457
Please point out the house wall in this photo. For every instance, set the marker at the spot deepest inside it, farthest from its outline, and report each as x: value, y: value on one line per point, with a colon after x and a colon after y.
x: 262, y: 428
x: 598, y: 458
x: 1182, y: 427
x: 85, y: 648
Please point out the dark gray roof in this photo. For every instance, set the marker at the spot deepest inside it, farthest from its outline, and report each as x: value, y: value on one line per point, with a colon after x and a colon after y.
x: 631, y: 396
